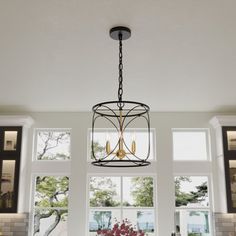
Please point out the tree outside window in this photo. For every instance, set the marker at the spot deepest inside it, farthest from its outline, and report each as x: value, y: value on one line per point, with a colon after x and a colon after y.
x: 114, y: 198
x: 192, y: 205
x: 50, y: 208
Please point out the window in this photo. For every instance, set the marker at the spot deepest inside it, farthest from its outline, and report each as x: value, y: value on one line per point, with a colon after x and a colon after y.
x: 50, y: 191
x: 52, y: 145
x: 116, y: 198
x: 51, y: 205
x: 192, y: 217
x: 192, y: 201
x: 190, y: 145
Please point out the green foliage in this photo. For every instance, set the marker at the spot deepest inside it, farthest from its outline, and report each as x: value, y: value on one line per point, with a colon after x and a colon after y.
x: 99, y: 151
x: 142, y: 191
x: 102, y: 192
x: 52, y: 191
x: 201, y: 192
x: 183, y: 198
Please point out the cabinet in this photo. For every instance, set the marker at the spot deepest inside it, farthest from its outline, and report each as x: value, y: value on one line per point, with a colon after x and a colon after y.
x: 224, y: 159
x: 229, y: 149
x: 10, y: 153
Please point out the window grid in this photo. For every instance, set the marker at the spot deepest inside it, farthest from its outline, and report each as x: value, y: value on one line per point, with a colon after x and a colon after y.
x: 122, y: 208
x: 197, y: 173
x: 51, y: 171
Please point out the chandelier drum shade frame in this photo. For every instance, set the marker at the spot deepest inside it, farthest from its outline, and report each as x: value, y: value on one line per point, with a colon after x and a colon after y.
x: 120, y: 114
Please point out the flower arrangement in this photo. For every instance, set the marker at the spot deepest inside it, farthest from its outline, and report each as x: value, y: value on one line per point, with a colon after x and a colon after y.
x: 123, y: 229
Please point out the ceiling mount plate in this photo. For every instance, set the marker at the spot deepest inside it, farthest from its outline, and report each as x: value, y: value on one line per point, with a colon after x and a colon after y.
x: 116, y: 31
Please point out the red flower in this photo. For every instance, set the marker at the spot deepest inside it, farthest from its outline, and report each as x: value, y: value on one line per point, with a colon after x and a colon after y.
x: 124, y: 229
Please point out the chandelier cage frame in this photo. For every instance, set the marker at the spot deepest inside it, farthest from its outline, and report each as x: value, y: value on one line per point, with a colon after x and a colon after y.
x: 120, y: 114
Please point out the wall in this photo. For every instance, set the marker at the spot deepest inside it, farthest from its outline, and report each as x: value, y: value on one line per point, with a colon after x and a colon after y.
x: 163, y: 168
x: 13, y: 224
x: 225, y: 224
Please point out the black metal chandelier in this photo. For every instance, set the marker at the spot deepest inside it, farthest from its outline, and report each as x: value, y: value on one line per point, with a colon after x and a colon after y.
x: 120, y: 115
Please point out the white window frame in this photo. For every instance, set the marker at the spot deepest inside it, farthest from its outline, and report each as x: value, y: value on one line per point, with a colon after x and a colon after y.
x: 208, y: 143
x: 201, y: 168
x: 210, y: 199
x: 35, y: 139
x: 55, y: 168
x: 121, y: 175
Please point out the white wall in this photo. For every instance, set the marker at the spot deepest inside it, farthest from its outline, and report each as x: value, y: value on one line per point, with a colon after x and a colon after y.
x: 79, y: 123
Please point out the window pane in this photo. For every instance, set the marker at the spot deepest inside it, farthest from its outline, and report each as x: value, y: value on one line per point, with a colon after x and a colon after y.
x: 191, y: 191
x: 10, y: 139
x: 190, y: 145
x: 7, y: 183
x: 231, y: 138
x: 138, y: 191
x: 232, y: 172
x: 50, y: 222
x: 141, y: 220
x: 140, y: 138
x: 104, y: 191
x: 193, y: 223
x: 53, y: 145
x: 100, y: 219
x: 51, y: 191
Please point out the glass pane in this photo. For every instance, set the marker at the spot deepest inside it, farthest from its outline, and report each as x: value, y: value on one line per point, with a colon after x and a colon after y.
x: 51, y: 222
x: 104, y: 191
x: 231, y: 138
x: 7, y: 184
x: 191, y: 191
x: 138, y: 191
x: 10, y: 139
x: 190, y: 145
x: 100, y: 219
x: 53, y: 145
x: 140, y: 138
x: 141, y: 220
x: 192, y: 223
x: 232, y: 172
x: 51, y: 191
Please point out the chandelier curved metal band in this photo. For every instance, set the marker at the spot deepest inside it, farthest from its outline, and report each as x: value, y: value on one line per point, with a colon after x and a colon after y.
x: 104, y: 112
x: 118, y: 163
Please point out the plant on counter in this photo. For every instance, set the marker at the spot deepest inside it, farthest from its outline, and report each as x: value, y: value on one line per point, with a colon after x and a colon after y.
x: 123, y: 229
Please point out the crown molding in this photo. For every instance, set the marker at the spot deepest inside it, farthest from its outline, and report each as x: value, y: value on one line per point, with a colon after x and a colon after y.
x: 11, y: 120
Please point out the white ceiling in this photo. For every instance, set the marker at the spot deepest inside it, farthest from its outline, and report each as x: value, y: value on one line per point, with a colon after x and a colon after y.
x: 56, y: 55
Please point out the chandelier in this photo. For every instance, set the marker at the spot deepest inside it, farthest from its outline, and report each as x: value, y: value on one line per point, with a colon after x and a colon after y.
x: 121, y: 115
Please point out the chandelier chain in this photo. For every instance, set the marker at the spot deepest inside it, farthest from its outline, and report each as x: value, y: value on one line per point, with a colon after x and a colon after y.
x: 120, y: 89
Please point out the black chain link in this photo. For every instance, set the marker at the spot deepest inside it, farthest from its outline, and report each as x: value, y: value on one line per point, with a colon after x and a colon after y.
x: 120, y: 89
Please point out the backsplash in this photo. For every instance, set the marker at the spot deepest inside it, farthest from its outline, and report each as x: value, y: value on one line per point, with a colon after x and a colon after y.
x: 14, y: 224
x: 225, y: 224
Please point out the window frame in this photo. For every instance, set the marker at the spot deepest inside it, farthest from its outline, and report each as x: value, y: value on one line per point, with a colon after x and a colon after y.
x: 57, y: 168
x: 121, y: 207
x: 35, y: 139
x: 202, y: 169
x: 33, y: 208
x: 190, y: 130
x: 202, y: 208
